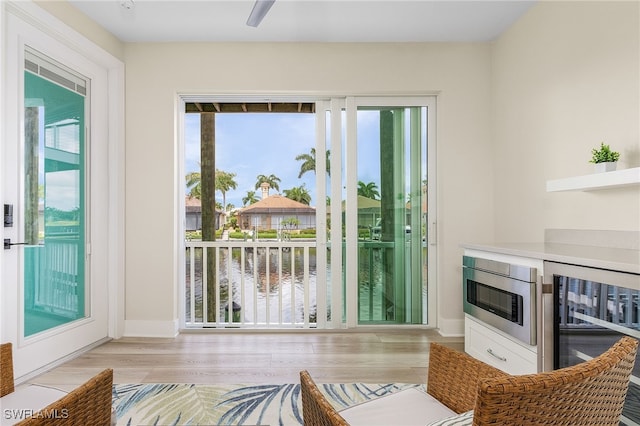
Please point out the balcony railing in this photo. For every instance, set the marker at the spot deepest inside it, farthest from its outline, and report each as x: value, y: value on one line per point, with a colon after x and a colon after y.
x: 53, y: 283
x: 250, y: 284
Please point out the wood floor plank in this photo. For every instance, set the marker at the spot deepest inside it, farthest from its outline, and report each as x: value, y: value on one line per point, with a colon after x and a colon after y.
x: 243, y: 357
x: 369, y: 375
x: 255, y: 375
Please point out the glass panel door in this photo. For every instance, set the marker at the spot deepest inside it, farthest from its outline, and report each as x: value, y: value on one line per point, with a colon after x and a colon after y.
x: 54, y: 195
x: 60, y: 147
x: 392, y: 217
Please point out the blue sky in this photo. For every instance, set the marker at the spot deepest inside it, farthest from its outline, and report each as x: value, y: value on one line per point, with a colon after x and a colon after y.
x: 251, y: 144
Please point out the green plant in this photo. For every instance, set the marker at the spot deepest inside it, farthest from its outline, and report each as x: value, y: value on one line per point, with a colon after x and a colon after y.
x: 604, y: 154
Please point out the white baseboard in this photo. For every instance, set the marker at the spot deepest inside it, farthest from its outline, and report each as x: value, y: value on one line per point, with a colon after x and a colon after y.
x: 451, y: 327
x: 138, y: 328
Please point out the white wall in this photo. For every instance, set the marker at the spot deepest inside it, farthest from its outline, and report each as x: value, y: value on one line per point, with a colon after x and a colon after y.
x: 511, y: 115
x: 84, y: 25
x: 459, y: 73
x: 565, y: 78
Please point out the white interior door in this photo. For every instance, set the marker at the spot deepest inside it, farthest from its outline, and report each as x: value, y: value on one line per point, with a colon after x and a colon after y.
x: 55, y: 185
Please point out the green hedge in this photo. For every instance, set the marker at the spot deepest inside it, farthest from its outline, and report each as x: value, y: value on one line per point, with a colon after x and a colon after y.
x: 239, y: 235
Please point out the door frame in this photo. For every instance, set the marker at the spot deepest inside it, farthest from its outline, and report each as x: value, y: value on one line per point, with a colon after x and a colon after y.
x: 333, y: 132
x: 25, y: 23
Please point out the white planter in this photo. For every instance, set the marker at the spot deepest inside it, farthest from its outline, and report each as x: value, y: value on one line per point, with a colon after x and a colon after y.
x: 606, y: 167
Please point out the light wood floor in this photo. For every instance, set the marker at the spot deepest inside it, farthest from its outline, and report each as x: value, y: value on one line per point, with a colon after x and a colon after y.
x: 258, y: 357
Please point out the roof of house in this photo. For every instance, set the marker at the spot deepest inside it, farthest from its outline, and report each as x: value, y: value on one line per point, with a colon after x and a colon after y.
x: 194, y: 205
x: 192, y: 201
x: 277, y: 204
x: 365, y: 204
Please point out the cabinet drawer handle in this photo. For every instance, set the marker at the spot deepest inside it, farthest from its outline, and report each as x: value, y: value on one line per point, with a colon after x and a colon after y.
x: 501, y: 358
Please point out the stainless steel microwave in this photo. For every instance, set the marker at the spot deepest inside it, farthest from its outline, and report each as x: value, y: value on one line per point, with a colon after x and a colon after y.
x: 502, y: 295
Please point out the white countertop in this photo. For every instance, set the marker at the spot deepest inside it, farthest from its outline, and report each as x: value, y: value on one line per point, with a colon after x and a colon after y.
x: 616, y: 259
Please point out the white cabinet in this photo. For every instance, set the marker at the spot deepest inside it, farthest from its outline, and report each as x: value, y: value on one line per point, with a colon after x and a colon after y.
x: 488, y: 345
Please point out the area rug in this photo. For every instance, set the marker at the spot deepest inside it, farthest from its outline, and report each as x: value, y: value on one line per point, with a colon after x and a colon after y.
x: 196, y: 404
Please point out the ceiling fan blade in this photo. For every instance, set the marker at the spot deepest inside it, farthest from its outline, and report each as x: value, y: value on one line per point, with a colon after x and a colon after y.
x: 260, y: 9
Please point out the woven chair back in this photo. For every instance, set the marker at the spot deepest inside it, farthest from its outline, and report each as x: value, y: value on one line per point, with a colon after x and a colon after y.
x: 6, y: 369
x: 316, y: 410
x: 88, y: 404
x: 590, y: 393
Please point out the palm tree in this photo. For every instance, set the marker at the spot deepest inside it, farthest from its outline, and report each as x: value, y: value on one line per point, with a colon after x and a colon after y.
x: 369, y: 190
x: 309, y: 162
x: 250, y: 198
x: 193, y: 182
x: 272, y: 180
x: 224, y: 183
x: 299, y: 194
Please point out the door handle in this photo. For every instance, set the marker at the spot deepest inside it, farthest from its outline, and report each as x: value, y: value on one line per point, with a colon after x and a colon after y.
x: 501, y: 358
x: 8, y: 244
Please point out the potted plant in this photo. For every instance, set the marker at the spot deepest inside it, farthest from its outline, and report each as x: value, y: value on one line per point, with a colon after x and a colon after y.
x: 604, y: 159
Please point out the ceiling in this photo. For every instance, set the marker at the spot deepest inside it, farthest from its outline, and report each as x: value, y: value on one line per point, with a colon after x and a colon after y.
x: 306, y: 20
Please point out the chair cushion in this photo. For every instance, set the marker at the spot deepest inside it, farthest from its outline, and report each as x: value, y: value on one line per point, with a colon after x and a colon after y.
x: 25, y: 401
x: 462, y: 419
x: 408, y: 407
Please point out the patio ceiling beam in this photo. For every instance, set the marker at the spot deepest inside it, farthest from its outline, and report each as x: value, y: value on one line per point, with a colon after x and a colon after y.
x: 242, y: 107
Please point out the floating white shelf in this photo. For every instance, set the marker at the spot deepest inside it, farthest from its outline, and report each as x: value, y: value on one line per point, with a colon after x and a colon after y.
x: 596, y: 181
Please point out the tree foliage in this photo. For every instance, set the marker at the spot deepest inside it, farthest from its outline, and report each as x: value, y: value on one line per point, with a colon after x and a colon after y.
x: 193, y: 184
x: 250, y: 198
x: 225, y: 182
x: 309, y: 162
x: 369, y: 190
x: 272, y: 180
x: 299, y: 194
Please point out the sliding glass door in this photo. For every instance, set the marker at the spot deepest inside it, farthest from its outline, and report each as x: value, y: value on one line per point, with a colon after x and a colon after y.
x: 371, y: 248
x: 393, y: 258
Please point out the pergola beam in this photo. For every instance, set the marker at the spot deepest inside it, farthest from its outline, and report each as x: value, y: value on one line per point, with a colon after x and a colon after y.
x: 244, y: 107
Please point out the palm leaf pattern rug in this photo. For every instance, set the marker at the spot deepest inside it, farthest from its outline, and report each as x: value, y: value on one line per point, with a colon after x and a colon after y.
x: 197, y: 404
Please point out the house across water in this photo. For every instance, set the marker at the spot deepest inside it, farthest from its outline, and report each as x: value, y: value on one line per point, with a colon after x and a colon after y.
x: 273, y: 210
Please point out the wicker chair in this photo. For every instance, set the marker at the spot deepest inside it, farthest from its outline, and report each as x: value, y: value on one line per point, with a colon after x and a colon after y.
x: 6, y: 369
x: 591, y: 393
x: 452, y: 379
x: 88, y: 404
x: 316, y: 410
x: 454, y: 376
